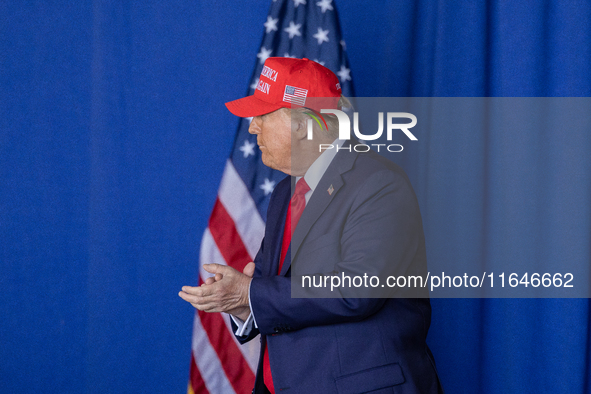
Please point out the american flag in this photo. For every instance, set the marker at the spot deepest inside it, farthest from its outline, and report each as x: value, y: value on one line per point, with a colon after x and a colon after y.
x: 294, y: 28
x: 295, y: 95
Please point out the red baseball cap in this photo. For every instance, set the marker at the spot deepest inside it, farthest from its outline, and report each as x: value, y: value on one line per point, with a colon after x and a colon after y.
x: 288, y: 82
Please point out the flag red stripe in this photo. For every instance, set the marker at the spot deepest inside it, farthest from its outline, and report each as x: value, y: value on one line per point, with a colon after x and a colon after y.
x: 196, y: 381
x: 226, y: 237
x: 235, y: 366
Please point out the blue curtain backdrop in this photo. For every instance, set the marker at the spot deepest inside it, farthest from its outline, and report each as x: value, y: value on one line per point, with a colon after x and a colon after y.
x: 113, y: 136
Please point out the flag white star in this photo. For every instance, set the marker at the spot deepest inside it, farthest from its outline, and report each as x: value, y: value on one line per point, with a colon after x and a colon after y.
x: 321, y: 36
x: 247, y: 148
x: 319, y: 62
x: 271, y: 24
x: 344, y: 74
x: 325, y: 5
x: 264, y: 54
x: 343, y: 44
x: 254, y: 84
x: 293, y: 30
x: 268, y: 186
x: 298, y: 2
x: 288, y: 55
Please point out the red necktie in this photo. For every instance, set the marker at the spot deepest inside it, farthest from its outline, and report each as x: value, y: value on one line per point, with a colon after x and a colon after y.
x: 294, y: 211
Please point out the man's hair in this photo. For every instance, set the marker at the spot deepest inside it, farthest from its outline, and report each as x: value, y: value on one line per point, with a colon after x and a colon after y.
x: 331, y: 120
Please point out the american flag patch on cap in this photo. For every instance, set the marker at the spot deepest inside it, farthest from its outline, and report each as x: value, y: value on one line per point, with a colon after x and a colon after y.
x: 295, y: 95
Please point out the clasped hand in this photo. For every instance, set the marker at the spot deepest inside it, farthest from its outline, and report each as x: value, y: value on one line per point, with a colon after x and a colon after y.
x: 226, y: 291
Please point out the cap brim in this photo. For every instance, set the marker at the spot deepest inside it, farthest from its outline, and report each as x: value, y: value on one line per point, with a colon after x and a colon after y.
x: 251, y: 106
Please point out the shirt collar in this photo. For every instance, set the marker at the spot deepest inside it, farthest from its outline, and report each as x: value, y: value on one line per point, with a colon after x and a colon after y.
x: 318, y: 168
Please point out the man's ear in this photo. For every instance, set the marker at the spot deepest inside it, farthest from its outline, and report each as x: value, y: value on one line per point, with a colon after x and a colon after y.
x: 299, y: 128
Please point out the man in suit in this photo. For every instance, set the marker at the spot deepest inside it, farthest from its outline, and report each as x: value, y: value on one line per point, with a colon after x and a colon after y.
x: 339, y: 212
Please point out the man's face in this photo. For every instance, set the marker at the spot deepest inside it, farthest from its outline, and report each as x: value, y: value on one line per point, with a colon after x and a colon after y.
x: 273, y: 132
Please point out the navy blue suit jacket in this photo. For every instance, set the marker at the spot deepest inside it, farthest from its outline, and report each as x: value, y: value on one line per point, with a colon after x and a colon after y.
x: 370, y: 224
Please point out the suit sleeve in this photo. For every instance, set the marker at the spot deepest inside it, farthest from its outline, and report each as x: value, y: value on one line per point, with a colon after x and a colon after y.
x: 380, y: 237
x: 257, y: 273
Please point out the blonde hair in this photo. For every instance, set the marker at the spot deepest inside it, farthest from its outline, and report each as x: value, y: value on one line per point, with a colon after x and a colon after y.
x: 331, y: 120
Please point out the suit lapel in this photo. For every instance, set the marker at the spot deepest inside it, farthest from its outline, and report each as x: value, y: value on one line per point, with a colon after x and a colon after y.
x: 320, y: 199
x: 277, y: 210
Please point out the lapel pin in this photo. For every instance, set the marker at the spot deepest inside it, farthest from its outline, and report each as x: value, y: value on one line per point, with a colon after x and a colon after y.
x: 330, y: 190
